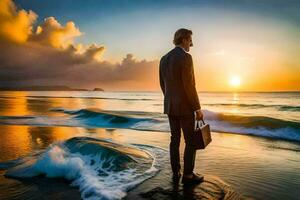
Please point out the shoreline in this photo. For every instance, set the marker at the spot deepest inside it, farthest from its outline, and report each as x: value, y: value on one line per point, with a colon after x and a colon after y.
x: 241, y: 164
x: 146, y: 130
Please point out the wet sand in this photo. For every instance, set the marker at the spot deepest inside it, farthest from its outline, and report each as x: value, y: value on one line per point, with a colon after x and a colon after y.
x: 234, y: 166
x: 159, y: 188
x: 241, y: 166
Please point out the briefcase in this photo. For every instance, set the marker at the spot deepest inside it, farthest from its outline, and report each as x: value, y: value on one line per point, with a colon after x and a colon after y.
x: 202, y: 136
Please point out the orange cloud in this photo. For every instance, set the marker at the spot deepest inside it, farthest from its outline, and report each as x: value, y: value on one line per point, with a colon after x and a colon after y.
x: 52, y: 33
x: 49, y: 56
x: 94, y: 51
x: 15, y: 25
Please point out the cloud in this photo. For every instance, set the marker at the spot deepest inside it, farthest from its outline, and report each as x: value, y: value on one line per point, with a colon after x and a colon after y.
x: 15, y: 25
x: 94, y: 52
x: 52, y: 33
x: 36, y: 65
x: 48, y: 55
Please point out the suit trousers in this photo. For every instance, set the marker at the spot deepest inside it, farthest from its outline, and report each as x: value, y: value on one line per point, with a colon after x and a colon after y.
x: 186, y: 123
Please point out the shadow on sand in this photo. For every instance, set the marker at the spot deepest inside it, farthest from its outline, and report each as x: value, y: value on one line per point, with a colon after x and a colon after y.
x: 164, y: 189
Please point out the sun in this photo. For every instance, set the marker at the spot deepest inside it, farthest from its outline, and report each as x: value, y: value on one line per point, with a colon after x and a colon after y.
x: 235, y: 81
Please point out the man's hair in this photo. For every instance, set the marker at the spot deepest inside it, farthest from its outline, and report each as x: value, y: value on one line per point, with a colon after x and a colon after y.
x: 181, y: 34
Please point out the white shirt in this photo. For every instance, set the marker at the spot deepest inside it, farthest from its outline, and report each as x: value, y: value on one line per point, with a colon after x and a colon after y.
x: 182, y: 48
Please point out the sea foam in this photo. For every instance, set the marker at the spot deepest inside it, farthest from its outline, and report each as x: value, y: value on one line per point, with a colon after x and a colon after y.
x: 99, y: 168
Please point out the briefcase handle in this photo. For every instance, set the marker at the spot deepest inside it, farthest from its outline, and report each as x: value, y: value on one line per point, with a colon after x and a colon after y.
x: 197, y: 123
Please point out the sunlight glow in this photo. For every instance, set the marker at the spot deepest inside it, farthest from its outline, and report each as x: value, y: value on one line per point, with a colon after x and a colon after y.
x: 235, y: 81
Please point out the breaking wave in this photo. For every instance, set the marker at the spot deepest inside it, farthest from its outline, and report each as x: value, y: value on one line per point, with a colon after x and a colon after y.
x: 99, y: 168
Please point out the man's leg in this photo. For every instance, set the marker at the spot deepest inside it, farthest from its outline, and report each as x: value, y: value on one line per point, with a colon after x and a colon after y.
x: 187, y: 124
x: 174, y: 122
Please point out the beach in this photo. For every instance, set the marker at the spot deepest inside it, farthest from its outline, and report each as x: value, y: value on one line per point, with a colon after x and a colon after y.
x: 89, y: 90
x: 61, y: 131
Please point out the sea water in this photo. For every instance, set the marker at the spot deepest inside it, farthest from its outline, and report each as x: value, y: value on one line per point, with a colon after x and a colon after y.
x: 274, y: 115
x: 35, y: 143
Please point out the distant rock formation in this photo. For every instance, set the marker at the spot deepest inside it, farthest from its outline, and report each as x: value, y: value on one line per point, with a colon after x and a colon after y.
x: 41, y: 88
x: 98, y: 89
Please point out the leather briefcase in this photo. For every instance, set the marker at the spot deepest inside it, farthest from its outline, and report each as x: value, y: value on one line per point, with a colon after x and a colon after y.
x: 202, y: 135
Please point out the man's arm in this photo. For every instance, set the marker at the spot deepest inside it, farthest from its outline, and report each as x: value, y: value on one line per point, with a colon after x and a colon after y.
x: 189, y: 83
x: 161, y: 81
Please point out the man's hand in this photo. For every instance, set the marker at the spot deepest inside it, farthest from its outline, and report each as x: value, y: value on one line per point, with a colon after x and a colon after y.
x: 199, y: 115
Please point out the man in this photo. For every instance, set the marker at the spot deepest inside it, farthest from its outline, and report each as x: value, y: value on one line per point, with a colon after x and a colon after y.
x: 181, y: 103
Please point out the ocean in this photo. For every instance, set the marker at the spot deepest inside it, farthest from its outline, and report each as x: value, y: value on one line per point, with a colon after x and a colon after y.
x: 72, y: 136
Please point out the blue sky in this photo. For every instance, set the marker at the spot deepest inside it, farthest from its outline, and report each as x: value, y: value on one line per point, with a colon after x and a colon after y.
x: 152, y: 23
x: 255, y: 41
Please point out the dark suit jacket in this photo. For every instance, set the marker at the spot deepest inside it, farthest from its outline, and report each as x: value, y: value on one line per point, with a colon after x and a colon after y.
x: 176, y: 74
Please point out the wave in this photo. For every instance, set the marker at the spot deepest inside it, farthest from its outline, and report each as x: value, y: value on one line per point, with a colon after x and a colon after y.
x: 290, y: 108
x: 112, y: 119
x: 94, y: 112
x: 71, y: 97
x: 100, y: 169
x: 251, y: 121
x: 252, y: 125
x: 279, y: 107
x: 17, y: 117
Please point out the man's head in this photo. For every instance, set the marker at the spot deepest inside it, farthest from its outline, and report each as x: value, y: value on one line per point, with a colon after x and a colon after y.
x: 183, y: 38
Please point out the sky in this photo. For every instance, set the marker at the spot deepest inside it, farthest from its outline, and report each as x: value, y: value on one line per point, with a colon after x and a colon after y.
x: 239, y: 45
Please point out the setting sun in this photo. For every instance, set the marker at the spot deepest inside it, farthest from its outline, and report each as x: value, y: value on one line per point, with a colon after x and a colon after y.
x: 235, y: 81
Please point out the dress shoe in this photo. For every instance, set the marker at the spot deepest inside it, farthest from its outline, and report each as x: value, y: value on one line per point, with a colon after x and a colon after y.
x: 195, y: 179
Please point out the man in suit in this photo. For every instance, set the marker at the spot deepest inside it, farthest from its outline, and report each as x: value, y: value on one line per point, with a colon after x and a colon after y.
x: 181, y: 103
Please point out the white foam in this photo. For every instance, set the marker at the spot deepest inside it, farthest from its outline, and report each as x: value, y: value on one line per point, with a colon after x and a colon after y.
x: 251, y: 125
x: 57, y: 161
